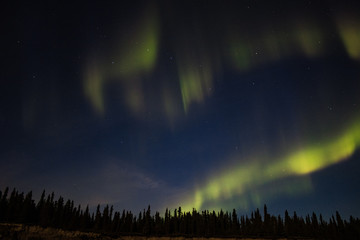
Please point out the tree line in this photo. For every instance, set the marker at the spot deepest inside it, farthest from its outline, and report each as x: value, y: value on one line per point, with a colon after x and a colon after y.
x: 16, y: 207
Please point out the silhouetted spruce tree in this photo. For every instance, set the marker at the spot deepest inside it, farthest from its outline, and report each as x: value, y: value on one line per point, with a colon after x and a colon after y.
x: 353, y: 228
x: 333, y: 230
x: 59, y: 213
x: 175, y: 223
x: 105, y: 221
x: 85, y: 219
x: 181, y: 221
x: 189, y: 223
x: 20, y: 208
x: 242, y: 225
x: 111, y: 212
x: 3, y: 205
x: 234, y: 223
x: 257, y: 229
x: 287, y: 224
x: 203, y: 217
x: 167, y: 222
x: 67, y: 214
x: 158, y: 229
x: 200, y: 223
x: 98, y: 218
x: 314, y: 225
x: 10, y: 213
x: 280, y: 230
x: 273, y: 226
x: 340, y: 223
x: 148, y: 223
x: 29, y: 210
x: 122, y: 222
x: 267, y: 228
x: 134, y: 225
x: 75, y: 218
x: 129, y: 222
x: 43, y: 209
x: 116, y: 223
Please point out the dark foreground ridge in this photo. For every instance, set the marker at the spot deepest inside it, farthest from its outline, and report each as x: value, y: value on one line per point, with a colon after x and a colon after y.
x: 19, y: 208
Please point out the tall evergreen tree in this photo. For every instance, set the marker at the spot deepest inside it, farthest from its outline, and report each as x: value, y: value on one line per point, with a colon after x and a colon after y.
x: 21, y: 208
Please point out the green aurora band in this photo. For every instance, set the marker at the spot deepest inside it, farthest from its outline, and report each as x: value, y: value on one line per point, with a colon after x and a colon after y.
x: 197, y: 68
x: 129, y: 60
x: 200, y: 63
x: 246, y: 178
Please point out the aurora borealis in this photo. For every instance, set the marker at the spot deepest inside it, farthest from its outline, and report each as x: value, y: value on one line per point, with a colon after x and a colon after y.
x: 198, y: 104
x: 247, y: 177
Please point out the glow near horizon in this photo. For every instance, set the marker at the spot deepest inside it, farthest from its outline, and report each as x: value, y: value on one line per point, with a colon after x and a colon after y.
x: 244, y: 178
x: 305, y: 39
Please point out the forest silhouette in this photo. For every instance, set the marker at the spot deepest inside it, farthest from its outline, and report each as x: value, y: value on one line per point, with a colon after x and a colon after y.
x: 16, y: 207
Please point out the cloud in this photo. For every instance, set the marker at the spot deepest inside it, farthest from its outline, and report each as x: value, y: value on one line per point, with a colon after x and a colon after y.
x: 117, y: 172
x: 114, y: 182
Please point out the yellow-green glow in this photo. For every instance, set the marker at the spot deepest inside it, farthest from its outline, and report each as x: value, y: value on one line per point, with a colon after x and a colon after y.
x: 246, y: 178
x: 93, y: 88
x: 316, y: 158
x: 349, y: 31
x: 240, y: 54
x: 171, y: 106
x: 302, y: 39
x: 310, y: 39
x: 134, y: 96
x: 195, y: 80
x: 138, y: 54
x: 133, y: 56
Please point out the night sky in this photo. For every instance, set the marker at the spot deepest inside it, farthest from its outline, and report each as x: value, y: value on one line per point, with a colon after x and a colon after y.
x: 204, y: 104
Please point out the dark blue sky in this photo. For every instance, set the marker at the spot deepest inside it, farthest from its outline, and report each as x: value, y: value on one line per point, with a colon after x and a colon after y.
x: 201, y: 104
